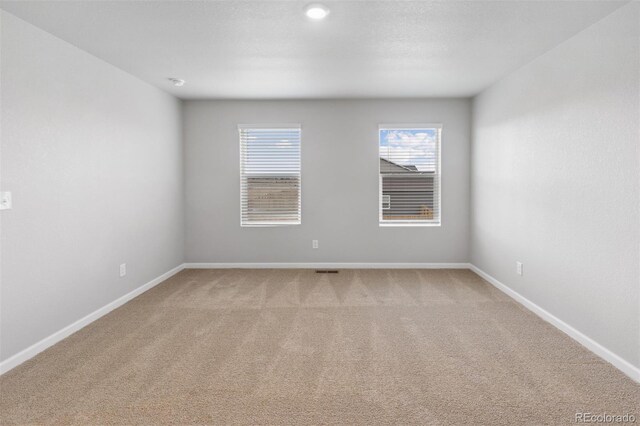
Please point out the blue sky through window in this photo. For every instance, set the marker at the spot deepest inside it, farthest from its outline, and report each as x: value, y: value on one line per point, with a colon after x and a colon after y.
x: 410, y: 147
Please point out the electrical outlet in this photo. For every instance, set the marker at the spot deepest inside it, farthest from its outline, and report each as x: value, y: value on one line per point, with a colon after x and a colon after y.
x: 314, y: 244
x: 123, y: 269
x: 519, y: 268
x: 5, y: 200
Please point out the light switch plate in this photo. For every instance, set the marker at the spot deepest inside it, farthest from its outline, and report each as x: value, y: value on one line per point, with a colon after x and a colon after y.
x: 5, y: 200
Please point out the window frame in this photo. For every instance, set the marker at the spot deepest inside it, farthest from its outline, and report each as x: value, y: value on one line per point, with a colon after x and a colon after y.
x: 412, y: 222
x: 267, y: 126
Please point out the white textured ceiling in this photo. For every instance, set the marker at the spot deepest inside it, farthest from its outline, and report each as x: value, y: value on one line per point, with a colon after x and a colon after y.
x: 268, y: 49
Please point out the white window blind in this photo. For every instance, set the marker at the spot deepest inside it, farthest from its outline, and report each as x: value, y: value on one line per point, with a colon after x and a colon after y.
x: 409, y: 178
x: 270, y: 175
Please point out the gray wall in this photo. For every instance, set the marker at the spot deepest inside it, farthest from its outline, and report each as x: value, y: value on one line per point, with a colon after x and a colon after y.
x: 93, y: 157
x: 339, y: 183
x: 555, y: 172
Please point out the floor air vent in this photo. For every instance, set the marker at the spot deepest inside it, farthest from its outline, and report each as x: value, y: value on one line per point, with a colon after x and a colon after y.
x: 326, y: 271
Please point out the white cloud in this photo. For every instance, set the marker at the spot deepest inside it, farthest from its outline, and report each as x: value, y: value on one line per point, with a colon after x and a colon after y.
x: 410, y: 149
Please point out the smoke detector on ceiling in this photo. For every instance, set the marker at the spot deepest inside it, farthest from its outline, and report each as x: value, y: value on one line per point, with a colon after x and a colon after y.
x: 177, y: 82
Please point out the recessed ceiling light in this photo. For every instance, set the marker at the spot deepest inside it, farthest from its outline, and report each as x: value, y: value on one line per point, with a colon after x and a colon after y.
x: 177, y: 82
x: 316, y: 11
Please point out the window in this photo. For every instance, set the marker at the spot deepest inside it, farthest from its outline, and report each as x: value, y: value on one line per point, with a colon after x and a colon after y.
x: 409, y: 175
x: 269, y: 175
x: 386, y: 202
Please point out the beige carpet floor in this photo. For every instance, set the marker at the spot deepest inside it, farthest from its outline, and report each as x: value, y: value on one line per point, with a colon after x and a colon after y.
x: 431, y: 347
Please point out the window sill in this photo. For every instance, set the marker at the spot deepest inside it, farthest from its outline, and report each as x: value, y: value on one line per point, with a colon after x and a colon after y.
x: 393, y: 225
x: 268, y: 225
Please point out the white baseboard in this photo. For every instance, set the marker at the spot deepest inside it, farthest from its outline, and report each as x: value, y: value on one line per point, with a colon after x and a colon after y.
x: 51, y: 340
x: 621, y: 364
x: 327, y: 266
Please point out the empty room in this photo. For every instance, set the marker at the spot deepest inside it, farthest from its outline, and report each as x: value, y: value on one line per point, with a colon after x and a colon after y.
x: 344, y: 212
